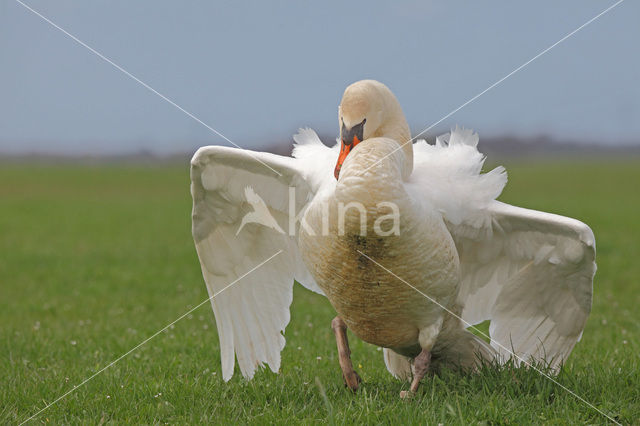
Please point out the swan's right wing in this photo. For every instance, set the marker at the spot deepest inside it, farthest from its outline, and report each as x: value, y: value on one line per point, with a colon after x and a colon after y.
x: 250, y: 275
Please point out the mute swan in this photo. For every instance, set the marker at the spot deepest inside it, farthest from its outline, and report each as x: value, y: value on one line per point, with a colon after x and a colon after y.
x: 434, y: 253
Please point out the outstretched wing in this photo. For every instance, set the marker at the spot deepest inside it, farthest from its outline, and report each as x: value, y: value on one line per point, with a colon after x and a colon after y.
x: 531, y: 274
x: 250, y: 276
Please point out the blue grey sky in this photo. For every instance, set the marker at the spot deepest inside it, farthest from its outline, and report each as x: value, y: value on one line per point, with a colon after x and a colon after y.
x: 256, y: 71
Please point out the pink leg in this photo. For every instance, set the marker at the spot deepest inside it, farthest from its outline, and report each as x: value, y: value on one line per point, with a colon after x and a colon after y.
x: 351, y: 378
x: 421, y: 366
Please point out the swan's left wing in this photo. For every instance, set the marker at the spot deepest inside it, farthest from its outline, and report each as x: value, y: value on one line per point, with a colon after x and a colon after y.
x: 531, y: 274
x: 244, y: 209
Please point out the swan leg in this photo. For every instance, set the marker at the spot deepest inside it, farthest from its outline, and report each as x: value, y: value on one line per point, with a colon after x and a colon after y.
x: 420, y: 366
x: 351, y: 378
x: 427, y: 338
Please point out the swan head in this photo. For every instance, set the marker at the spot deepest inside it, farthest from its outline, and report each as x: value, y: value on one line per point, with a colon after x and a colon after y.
x: 369, y: 109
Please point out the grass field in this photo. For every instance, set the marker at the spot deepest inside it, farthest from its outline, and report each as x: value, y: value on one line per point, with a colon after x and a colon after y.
x: 93, y: 260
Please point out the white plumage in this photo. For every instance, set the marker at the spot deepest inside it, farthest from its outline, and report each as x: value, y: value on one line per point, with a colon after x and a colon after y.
x: 529, y: 273
x: 260, y: 213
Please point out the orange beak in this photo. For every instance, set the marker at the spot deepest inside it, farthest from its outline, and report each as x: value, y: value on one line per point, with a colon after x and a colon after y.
x: 345, y: 149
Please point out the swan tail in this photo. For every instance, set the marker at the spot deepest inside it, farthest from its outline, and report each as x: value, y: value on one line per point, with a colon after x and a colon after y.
x: 465, y: 350
x: 398, y: 365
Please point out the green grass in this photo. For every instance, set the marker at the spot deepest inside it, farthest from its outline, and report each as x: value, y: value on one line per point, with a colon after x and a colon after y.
x: 95, y: 259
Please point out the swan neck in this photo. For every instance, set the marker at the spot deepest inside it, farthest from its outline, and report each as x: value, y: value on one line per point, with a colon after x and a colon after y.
x: 397, y: 129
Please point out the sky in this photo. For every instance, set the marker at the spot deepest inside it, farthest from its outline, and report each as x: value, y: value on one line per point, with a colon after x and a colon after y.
x: 257, y: 71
